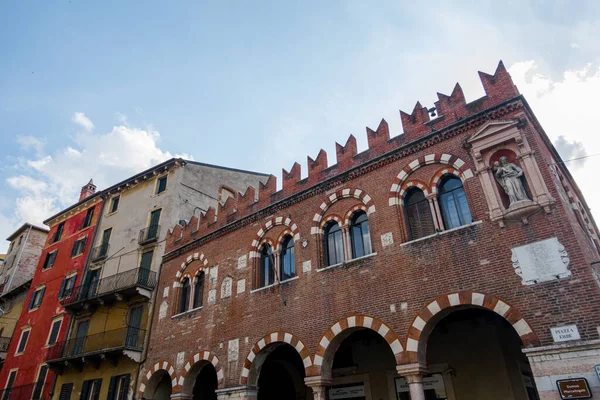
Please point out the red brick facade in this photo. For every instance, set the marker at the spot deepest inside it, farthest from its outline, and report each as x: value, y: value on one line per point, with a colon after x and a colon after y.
x: 396, y: 290
x: 40, y: 319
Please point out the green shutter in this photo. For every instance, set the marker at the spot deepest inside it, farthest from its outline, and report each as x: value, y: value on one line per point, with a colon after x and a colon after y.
x: 97, y: 389
x: 61, y: 292
x: 84, y: 390
x: 112, y: 387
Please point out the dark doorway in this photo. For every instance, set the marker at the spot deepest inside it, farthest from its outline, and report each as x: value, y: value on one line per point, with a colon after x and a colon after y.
x: 206, y: 383
x: 282, y: 375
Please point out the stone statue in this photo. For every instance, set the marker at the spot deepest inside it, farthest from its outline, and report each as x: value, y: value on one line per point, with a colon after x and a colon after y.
x: 509, y: 176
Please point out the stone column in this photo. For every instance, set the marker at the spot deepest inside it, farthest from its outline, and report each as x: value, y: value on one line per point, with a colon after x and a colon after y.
x: 319, y: 386
x: 276, y: 267
x: 435, y: 212
x: 414, y: 375
x: 347, y: 242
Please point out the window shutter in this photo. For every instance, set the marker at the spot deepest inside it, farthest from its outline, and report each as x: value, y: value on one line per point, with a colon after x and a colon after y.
x: 61, y: 292
x: 84, y: 390
x: 112, y: 387
x: 31, y: 301
x: 97, y: 389
x: 125, y: 386
x: 74, y: 249
x: 65, y: 391
x: 83, y: 242
x: 52, y: 258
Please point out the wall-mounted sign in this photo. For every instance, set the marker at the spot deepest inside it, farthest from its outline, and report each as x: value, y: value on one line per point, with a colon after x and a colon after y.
x: 347, y: 392
x: 577, y: 388
x: 565, y: 333
x: 433, y: 386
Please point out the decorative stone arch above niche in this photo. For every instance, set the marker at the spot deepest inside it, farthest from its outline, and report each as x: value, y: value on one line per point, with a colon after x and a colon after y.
x: 511, y: 179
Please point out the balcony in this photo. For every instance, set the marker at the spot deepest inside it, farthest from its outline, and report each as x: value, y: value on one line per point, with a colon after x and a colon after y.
x: 99, y: 253
x: 121, y: 286
x: 24, y: 392
x: 149, y: 234
x: 107, y: 345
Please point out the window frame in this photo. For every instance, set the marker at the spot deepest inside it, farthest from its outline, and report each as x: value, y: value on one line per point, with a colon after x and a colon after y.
x: 50, y: 257
x: 198, y: 290
x: 34, y: 304
x: 160, y: 179
x: 266, y: 253
x: 114, y: 204
x: 79, y: 244
x: 89, y: 217
x: 10, y: 374
x: 184, y: 297
x: 367, y: 246
x: 452, y: 192
x: 23, y: 332
x: 287, y: 251
x: 62, y: 293
x: 326, y: 234
x: 58, y: 232
x: 411, y: 235
x: 55, y: 320
x: 36, y: 382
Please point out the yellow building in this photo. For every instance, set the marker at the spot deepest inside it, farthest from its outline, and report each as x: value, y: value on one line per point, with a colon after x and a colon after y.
x: 113, y: 305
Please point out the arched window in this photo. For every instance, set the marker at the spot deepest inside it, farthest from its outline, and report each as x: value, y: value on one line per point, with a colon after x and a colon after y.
x: 334, y: 244
x: 267, y: 276
x: 198, y: 290
x: 184, y: 299
x: 418, y: 214
x: 359, y: 233
x: 286, y: 262
x: 453, y: 203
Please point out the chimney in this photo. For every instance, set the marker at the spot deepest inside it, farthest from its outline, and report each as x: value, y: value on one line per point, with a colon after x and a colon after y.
x: 87, y: 190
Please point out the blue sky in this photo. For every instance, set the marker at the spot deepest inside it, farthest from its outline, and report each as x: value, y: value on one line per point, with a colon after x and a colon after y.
x: 106, y: 89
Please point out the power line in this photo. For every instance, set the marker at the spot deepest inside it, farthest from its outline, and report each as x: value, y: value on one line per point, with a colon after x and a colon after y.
x: 578, y: 158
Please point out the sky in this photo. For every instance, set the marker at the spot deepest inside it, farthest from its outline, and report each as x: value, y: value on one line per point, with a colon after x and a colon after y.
x: 106, y: 89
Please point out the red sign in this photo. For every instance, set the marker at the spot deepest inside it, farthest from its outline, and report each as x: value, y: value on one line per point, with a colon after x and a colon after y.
x: 574, y: 388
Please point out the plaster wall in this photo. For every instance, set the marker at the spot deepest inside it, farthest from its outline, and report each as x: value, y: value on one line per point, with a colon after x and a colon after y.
x: 23, y: 258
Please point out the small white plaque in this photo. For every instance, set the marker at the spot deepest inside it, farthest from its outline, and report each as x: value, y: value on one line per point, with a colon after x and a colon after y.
x: 387, y: 239
x: 212, y: 296
x: 162, y: 310
x: 541, y: 261
x: 306, y: 266
x: 233, y: 347
x: 213, y: 274
x: 565, y: 333
x: 180, y: 359
x: 241, y: 286
x: 166, y: 291
x: 242, y: 262
x: 226, y: 287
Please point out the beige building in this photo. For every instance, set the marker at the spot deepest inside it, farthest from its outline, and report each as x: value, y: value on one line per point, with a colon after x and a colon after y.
x: 114, y: 302
x: 16, y: 271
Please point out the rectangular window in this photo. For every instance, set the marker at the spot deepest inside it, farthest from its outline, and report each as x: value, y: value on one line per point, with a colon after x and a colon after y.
x: 78, y: 247
x: 90, y: 389
x: 23, y: 341
x: 20, y: 239
x: 39, y: 384
x: 66, y: 287
x: 49, y: 261
x: 58, y: 233
x: 114, y: 204
x: 65, y: 391
x: 9, y: 384
x: 54, y: 330
x: 103, y: 250
x: 118, y: 388
x: 161, y: 185
x: 89, y: 215
x: 36, y: 298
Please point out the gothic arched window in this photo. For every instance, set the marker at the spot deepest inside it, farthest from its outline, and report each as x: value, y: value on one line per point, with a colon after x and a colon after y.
x: 286, y: 261
x: 198, y: 290
x: 334, y: 244
x: 359, y: 234
x: 184, y: 298
x: 267, y: 275
x: 418, y: 214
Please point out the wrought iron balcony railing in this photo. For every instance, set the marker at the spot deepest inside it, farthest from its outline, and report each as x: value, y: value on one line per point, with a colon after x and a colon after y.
x: 100, y: 252
x: 149, y: 234
x: 128, y: 338
x: 24, y: 392
x: 123, y: 282
x: 4, y: 343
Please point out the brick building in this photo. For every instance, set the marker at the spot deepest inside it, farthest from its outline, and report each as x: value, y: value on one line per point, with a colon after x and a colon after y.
x: 43, y: 321
x: 434, y: 264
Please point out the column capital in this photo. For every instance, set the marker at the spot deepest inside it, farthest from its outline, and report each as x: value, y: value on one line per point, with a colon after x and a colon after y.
x: 181, y: 396
x: 314, y: 381
x: 407, y: 370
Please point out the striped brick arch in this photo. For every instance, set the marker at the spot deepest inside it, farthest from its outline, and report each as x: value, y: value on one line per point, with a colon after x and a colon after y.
x: 406, y: 186
x: 275, y: 337
x: 165, y: 366
x: 437, y: 178
x: 464, y: 298
x: 456, y: 163
x: 339, y: 195
x: 191, y: 258
x: 322, y: 355
x: 352, y: 211
x: 254, y: 252
x: 204, y: 356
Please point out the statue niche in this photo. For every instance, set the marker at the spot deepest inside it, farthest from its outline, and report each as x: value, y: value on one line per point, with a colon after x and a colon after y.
x: 510, y: 178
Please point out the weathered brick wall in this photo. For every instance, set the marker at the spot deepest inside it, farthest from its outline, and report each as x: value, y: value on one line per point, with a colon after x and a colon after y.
x: 393, y: 285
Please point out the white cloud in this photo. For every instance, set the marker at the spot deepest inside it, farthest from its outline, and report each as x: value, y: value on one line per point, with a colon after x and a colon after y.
x: 84, y: 122
x: 566, y: 109
x: 49, y: 183
x: 31, y: 142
